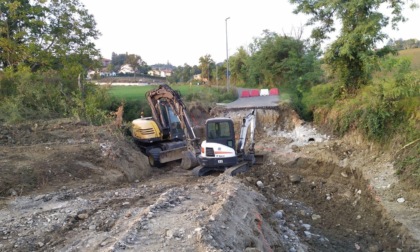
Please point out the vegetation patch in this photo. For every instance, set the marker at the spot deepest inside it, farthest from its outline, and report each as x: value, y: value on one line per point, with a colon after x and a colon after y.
x: 407, y: 163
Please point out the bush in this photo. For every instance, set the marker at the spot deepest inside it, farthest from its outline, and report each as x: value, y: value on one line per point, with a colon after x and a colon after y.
x: 91, y: 104
x: 44, y: 95
x: 407, y: 164
x: 389, y: 105
x: 305, y: 102
x: 28, y: 96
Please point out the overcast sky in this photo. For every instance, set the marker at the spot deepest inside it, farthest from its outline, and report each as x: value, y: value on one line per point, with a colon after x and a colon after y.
x: 181, y: 31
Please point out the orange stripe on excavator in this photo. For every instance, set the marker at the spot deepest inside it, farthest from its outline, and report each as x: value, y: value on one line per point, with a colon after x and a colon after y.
x: 222, y: 152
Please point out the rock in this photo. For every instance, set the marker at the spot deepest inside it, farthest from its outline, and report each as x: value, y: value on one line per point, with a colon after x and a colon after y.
x: 400, y: 200
x: 82, y: 216
x: 307, y: 234
x: 295, y: 179
x: 295, y: 148
x: 345, y: 162
x: 279, y: 214
x: 12, y: 192
x: 306, y: 226
x: 40, y: 244
x: 252, y: 250
x: 260, y: 184
x: 316, y: 217
x: 169, y: 233
x: 373, y: 248
x: 358, y: 217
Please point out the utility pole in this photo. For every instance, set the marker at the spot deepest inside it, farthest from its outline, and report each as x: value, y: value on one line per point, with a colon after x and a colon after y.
x: 217, y: 78
x: 227, y: 57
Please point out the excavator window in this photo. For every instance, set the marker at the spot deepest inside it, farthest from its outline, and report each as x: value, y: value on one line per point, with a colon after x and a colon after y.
x: 220, y: 132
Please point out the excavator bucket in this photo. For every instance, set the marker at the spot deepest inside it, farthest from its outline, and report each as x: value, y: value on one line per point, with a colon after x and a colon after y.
x: 259, y: 159
x: 189, y: 160
x: 172, y: 154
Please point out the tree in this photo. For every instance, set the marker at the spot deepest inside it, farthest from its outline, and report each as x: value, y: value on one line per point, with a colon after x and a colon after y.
x: 134, y: 61
x: 279, y: 60
x: 206, y: 63
x: 351, y: 56
x: 238, y: 66
x: 117, y: 60
x: 43, y: 33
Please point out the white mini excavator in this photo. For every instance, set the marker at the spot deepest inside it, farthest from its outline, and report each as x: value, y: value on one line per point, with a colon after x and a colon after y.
x: 219, y: 152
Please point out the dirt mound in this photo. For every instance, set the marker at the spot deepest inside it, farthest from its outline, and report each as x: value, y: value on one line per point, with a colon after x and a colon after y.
x: 37, y: 155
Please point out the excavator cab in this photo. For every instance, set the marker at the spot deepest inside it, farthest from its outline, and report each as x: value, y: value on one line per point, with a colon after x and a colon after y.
x: 220, y: 130
x: 171, y: 126
x: 218, y: 151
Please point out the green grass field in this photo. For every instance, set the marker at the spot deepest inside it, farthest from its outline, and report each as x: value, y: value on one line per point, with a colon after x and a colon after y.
x: 131, y: 93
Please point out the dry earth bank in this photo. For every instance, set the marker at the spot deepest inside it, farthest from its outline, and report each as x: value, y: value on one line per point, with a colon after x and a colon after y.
x: 68, y: 186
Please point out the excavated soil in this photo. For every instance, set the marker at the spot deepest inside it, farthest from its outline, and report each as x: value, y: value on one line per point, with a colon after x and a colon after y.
x: 68, y: 186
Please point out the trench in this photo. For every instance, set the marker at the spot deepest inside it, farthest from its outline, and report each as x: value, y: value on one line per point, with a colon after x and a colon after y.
x: 329, y: 206
x: 341, y: 211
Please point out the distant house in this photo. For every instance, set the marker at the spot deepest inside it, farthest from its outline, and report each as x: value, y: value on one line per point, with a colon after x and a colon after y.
x: 125, y: 69
x: 102, y: 72
x: 107, y: 74
x: 105, y: 62
x: 158, y: 72
x: 197, y: 77
x: 90, y: 74
x: 165, y: 73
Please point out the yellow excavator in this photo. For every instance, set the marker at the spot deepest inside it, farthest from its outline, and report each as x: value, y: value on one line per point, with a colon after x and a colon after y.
x: 168, y: 134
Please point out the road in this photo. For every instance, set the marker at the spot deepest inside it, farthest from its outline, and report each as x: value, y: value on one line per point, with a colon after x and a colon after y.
x: 254, y: 102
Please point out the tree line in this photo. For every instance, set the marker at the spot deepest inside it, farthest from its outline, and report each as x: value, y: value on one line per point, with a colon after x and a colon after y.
x: 49, y: 45
x: 46, y: 49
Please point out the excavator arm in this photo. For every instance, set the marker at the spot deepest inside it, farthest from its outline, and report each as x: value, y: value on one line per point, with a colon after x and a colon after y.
x: 247, y: 121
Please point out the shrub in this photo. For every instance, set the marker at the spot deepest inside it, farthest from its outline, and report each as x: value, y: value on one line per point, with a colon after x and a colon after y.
x: 43, y: 95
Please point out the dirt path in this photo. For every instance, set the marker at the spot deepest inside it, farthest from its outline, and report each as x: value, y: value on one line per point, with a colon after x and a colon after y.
x: 71, y: 187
